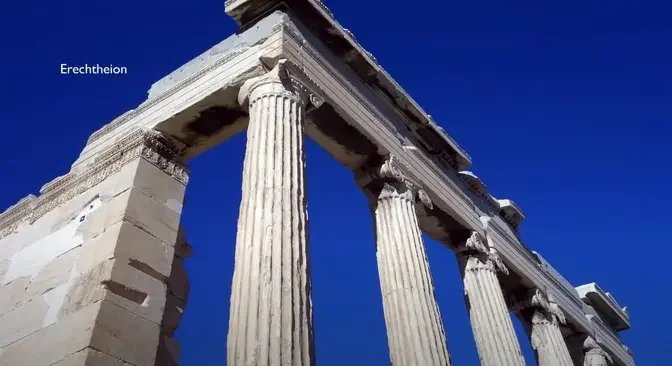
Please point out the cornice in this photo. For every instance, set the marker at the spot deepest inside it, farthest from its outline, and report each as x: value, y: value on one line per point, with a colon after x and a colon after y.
x: 593, y: 294
x: 477, y: 186
x: 402, y: 100
x: 148, y: 144
x: 509, y: 211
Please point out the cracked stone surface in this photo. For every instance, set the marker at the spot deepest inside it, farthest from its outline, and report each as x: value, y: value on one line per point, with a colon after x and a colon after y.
x: 93, y: 272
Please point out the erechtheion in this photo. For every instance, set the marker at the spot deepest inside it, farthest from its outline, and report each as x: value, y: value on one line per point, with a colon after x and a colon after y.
x: 91, y: 270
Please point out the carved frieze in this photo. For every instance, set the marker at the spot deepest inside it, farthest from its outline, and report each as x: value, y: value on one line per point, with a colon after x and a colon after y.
x: 23, y: 210
x: 148, y: 144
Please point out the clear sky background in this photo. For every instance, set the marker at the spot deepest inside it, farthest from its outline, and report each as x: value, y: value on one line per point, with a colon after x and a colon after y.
x: 565, y: 107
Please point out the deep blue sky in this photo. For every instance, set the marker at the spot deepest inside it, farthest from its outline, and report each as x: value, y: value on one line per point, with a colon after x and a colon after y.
x: 564, y: 107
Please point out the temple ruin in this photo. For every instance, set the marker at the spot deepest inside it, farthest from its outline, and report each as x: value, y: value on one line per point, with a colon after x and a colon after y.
x: 91, y: 270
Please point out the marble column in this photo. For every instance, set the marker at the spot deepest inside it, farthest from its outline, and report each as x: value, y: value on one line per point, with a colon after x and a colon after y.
x: 414, y: 328
x: 491, y: 323
x: 542, y: 319
x: 594, y: 354
x: 271, y: 312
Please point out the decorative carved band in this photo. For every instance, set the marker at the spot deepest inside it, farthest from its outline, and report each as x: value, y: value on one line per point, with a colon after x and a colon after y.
x: 294, y: 83
x: 391, y: 170
x: 148, y: 144
x: 16, y: 213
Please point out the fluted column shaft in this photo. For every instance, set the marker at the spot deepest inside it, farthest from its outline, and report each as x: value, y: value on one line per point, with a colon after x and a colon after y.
x: 271, y: 311
x: 414, y: 329
x: 491, y: 323
x: 543, y: 318
x: 547, y: 341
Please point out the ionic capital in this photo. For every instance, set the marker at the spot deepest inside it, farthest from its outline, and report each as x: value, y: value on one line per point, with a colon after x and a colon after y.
x: 531, y: 299
x: 478, y: 246
x: 390, y: 191
x: 537, y: 300
x: 285, y: 79
x: 593, y: 352
x: 389, y: 173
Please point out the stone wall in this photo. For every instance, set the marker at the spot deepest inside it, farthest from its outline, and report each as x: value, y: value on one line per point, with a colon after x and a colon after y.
x: 87, y: 282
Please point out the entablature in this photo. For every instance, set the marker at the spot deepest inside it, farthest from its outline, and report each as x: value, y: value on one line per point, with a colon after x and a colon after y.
x: 562, y: 282
x: 608, y: 309
x: 317, y: 17
x: 509, y: 210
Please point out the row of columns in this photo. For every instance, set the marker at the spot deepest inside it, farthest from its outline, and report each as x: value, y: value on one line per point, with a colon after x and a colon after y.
x: 271, y: 309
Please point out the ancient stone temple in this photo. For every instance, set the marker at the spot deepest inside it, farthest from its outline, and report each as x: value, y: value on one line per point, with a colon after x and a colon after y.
x: 91, y: 270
